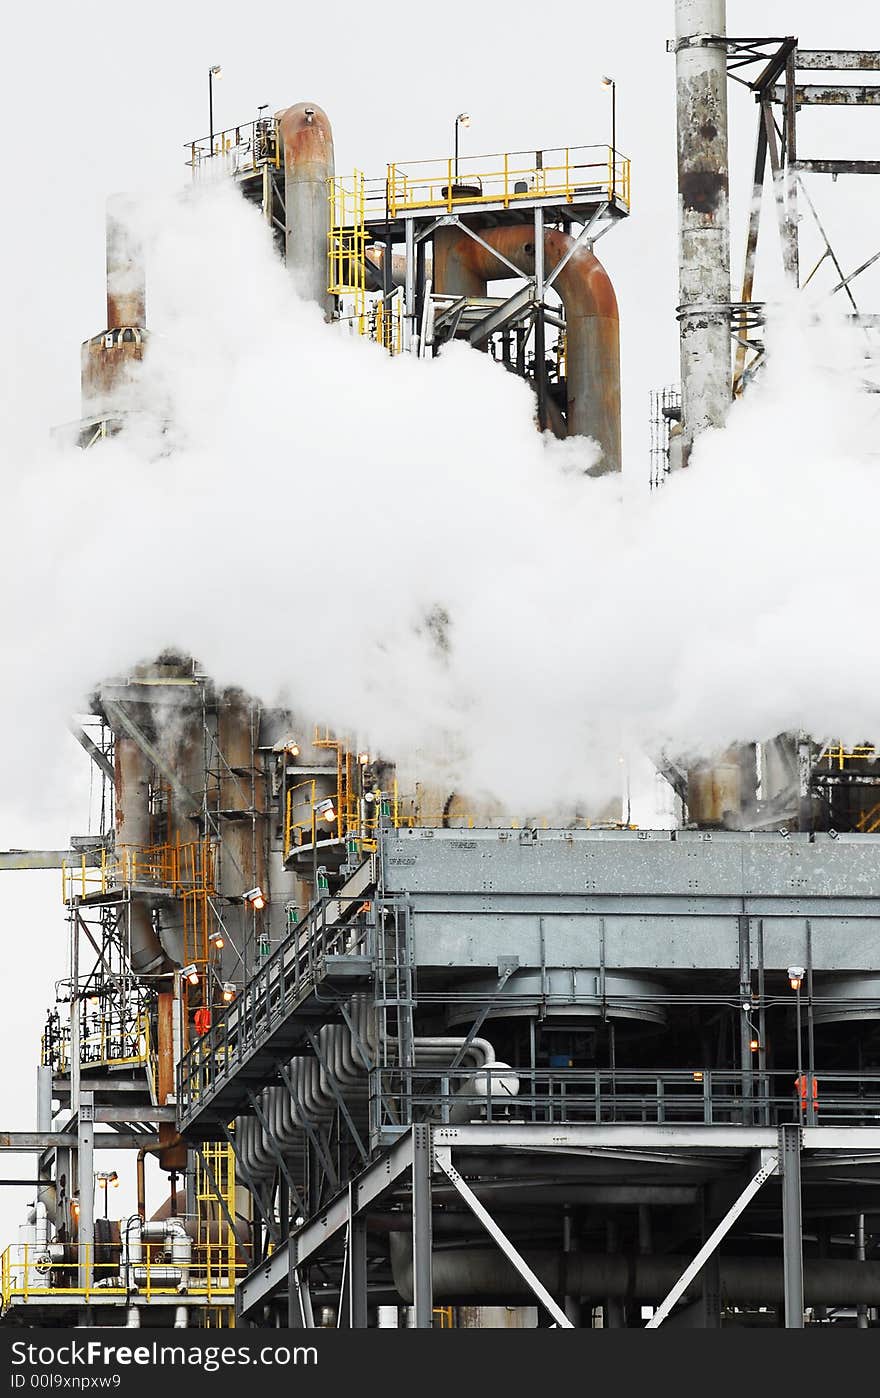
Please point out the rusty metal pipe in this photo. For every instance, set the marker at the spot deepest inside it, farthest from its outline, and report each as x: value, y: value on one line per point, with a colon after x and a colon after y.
x: 462, y: 267
x: 132, y: 784
x: 307, y: 142
x: 141, y: 1184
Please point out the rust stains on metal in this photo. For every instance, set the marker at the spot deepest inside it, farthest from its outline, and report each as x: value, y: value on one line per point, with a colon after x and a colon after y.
x: 701, y: 190
x: 462, y: 267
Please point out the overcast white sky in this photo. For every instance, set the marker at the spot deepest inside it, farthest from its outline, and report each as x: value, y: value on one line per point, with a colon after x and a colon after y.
x: 99, y: 97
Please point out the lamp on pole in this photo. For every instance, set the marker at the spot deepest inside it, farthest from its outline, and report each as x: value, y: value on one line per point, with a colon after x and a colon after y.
x: 463, y: 119
x: 609, y: 82
x: 106, y: 1177
x: 214, y: 72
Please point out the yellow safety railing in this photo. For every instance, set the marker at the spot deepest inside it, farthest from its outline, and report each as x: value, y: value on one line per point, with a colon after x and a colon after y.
x: 347, y: 240
x: 302, y: 816
x: 177, y: 868
x: 389, y: 323
x: 836, y: 755
x: 104, y: 1043
x: 221, y: 1159
x: 27, y: 1274
x: 571, y: 174
x: 242, y: 148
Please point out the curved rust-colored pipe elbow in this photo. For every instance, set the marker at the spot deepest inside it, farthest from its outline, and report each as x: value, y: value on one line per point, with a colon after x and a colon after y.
x: 307, y: 143
x: 462, y: 267
x: 306, y: 137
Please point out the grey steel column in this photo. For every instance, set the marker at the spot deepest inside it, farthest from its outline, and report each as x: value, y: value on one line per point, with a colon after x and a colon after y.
x: 423, y: 1289
x: 357, y: 1272
x: 85, y: 1160
x: 704, y: 217
x: 792, y: 1236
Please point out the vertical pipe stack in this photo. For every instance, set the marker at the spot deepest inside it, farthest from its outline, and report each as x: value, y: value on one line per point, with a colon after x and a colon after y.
x: 126, y: 294
x: 704, y: 218
x: 307, y: 141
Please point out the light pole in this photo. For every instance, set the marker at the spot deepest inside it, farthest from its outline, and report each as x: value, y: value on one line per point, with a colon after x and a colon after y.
x: 215, y: 72
x: 106, y: 1177
x: 609, y: 82
x: 463, y: 119
x: 796, y: 980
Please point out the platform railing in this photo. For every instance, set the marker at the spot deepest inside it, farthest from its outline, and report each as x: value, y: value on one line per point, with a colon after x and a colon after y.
x: 569, y: 174
x: 711, y: 1097
x: 272, y: 993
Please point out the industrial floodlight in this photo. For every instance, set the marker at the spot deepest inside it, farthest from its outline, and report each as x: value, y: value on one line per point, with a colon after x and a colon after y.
x: 191, y: 973
x: 256, y: 897
x: 607, y: 82
x: 369, y: 795
x: 324, y: 810
x: 754, y: 1045
x: 463, y: 119
x: 364, y: 758
x: 795, y: 977
x: 218, y: 940
x: 228, y: 992
x: 216, y: 71
x: 292, y: 749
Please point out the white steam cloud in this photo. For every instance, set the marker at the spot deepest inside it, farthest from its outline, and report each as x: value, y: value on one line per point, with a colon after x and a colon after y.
x: 306, y: 515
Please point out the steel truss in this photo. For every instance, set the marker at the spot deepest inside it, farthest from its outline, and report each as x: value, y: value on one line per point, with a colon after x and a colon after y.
x: 410, y: 1169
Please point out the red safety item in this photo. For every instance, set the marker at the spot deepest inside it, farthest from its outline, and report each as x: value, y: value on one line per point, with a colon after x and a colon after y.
x: 202, y: 1021
x: 800, y: 1087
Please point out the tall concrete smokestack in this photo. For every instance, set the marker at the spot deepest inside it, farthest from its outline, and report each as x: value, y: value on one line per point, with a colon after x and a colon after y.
x: 704, y: 219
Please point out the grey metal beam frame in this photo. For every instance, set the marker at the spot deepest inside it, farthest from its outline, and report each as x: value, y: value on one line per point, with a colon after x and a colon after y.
x: 117, y: 714
x: 769, y: 1167
x: 24, y: 1141
x: 94, y: 752
x: 422, y: 1231
x: 443, y: 1158
x: 309, y: 1239
x: 85, y: 1183
x: 792, y: 1236
x: 45, y: 858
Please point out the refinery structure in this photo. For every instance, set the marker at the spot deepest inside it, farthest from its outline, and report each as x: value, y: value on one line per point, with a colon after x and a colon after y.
x: 402, y: 1059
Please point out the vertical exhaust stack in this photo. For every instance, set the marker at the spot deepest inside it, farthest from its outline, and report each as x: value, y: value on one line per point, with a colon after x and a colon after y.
x: 704, y: 217
x: 714, y: 787
x: 126, y: 292
x: 107, y: 358
x: 307, y: 141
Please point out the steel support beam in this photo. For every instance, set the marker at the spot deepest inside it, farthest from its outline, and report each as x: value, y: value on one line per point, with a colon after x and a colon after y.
x: 85, y: 1179
x: 839, y: 60
x: 29, y: 1141
x: 838, y: 167
x: 767, y: 1169
x: 356, y: 1271
x: 582, y: 240
x: 374, y: 1181
x: 792, y: 1234
x: 118, y: 716
x: 516, y: 306
x: 91, y: 747
x: 443, y: 1158
x: 423, y: 1288
x: 46, y: 858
